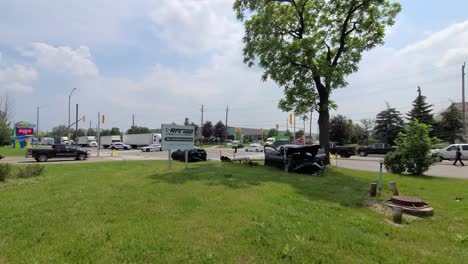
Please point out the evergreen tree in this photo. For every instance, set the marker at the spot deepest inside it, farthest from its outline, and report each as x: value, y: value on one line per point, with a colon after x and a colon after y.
x: 388, y: 124
x: 421, y: 110
x: 219, y: 130
x: 207, y: 129
x: 450, y: 128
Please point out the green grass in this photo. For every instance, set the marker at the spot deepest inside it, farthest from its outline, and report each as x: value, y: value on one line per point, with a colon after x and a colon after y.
x: 7, y: 151
x: 137, y: 211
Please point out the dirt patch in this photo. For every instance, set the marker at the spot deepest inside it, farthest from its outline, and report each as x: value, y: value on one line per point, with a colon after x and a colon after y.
x: 382, y: 208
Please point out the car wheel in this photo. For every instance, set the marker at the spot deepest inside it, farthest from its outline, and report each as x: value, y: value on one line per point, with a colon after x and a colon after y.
x: 42, y: 158
x: 82, y: 156
x: 125, y: 148
x: 147, y: 150
x: 113, y: 148
x: 441, y: 159
x: 256, y: 150
x: 362, y: 153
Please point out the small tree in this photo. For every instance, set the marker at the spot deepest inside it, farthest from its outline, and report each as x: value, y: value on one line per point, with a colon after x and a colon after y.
x: 421, y: 110
x: 207, y: 129
x: 340, y: 129
x: 388, y: 124
x: 91, y: 132
x: 132, y: 130
x: 272, y: 133
x: 60, y: 131
x: 299, y: 133
x: 219, y: 130
x: 411, y: 156
x: 368, y: 125
x: 450, y: 128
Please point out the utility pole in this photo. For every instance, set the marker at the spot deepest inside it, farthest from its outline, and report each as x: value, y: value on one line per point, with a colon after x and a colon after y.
x: 76, y: 124
x: 133, y: 120
x: 226, y: 125
x: 294, y: 129
x: 98, y: 133
x: 37, y: 124
x: 201, y: 126
x: 463, y: 101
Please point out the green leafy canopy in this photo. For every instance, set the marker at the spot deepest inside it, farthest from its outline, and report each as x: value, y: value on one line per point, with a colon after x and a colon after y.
x: 309, y: 46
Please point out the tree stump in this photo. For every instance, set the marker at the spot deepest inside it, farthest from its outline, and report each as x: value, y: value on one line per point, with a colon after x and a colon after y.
x: 373, y: 189
x: 397, y: 215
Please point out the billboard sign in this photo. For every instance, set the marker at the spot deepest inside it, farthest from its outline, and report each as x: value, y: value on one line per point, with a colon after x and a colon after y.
x: 175, y: 137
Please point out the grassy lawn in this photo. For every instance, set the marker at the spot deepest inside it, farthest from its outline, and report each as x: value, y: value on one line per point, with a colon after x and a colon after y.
x: 7, y: 151
x: 137, y: 211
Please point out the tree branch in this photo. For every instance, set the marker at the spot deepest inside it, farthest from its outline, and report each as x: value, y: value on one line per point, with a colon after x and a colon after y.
x: 294, y: 63
x: 345, y: 33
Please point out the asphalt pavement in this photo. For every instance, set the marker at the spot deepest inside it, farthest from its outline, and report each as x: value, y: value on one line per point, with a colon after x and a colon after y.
x: 369, y: 163
x: 372, y: 163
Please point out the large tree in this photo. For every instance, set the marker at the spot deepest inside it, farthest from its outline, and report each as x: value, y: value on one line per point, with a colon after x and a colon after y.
x: 450, y: 127
x: 60, y: 131
x: 309, y: 46
x: 421, y: 110
x: 272, y: 132
x: 388, y: 124
x: 368, y: 126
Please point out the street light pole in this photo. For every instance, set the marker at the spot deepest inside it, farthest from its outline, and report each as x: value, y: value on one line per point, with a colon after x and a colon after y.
x: 69, y: 101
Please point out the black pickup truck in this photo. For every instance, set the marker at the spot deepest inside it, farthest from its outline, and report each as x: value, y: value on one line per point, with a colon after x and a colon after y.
x: 57, y: 151
x: 344, y: 152
x: 376, y: 148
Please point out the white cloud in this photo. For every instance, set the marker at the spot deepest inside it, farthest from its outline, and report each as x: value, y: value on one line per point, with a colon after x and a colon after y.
x: 63, y: 59
x: 196, y: 26
x: 17, y: 78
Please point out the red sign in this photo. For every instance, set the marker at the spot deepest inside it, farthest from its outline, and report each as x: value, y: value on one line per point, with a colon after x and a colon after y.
x: 24, y: 131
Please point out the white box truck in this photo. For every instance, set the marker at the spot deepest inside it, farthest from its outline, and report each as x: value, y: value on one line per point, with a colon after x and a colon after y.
x: 141, y: 140
x: 87, y: 141
x: 106, y: 141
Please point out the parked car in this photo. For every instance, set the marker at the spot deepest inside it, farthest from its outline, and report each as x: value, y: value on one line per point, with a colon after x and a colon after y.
x: 120, y: 145
x: 449, y: 152
x: 57, y: 151
x: 152, y: 147
x: 254, y: 148
x: 376, y: 148
x: 194, y: 155
x: 296, y: 158
x: 344, y: 152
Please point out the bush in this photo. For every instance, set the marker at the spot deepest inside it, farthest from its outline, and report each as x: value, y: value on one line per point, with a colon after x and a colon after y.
x: 5, y: 171
x: 413, y: 152
x: 29, y: 171
x: 393, y: 162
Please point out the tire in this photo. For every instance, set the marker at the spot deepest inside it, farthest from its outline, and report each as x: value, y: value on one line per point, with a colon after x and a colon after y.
x: 113, y: 148
x: 42, y: 158
x: 362, y: 153
x: 256, y: 150
x: 147, y: 150
x: 82, y: 156
x: 125, y: 148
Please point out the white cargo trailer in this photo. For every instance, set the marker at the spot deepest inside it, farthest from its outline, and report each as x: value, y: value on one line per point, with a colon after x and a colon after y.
x: 106, y: 141
x: 87, y: 141
x: 141, y: 140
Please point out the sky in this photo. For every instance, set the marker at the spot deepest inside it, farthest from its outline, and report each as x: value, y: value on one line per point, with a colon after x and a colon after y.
x: 161, y: 60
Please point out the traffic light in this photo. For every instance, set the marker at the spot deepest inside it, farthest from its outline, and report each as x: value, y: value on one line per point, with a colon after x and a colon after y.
x: 290, y: 118
x: 84, y: 118
x: 103, y: 119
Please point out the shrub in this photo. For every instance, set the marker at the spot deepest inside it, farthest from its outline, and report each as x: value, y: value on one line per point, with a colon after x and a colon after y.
x: 29, y: 171
x: 5, y: 171
x: 393, y: 162
x: 413, y: 152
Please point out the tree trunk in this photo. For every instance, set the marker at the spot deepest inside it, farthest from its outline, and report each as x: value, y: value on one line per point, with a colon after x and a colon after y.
x: 324, y: 123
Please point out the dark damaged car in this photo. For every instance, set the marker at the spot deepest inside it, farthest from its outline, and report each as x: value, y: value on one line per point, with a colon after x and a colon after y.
x: 194, y: 155
x: 296, y: 158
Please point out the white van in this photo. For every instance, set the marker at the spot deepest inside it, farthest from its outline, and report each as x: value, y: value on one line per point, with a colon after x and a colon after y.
x: 270, y: 141
x: 449, y: 153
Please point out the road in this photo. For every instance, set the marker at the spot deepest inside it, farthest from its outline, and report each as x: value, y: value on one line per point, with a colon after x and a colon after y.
x: 106, y: 155
x: 371, y: 163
